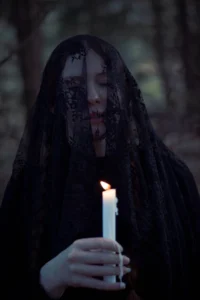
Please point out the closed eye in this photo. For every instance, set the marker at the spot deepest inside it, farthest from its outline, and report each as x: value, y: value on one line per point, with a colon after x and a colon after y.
x: 73, y: 82
x: 103, y: 83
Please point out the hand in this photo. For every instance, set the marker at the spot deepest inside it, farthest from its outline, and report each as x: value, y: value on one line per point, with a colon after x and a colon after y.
x: 80, y: 263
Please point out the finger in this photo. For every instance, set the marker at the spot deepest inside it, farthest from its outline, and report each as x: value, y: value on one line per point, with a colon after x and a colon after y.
x: 98, y: 243
x: 89, y: 270
x: 100, y: 258
x: 87, y: 282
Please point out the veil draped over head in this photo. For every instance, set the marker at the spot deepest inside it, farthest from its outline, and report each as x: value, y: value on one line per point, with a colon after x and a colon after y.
x: 52, y: 197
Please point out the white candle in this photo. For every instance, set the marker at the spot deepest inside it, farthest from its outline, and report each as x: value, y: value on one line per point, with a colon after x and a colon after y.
x: 109, y: 217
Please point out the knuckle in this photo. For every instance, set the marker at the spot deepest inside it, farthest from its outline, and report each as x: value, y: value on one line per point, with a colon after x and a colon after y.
x: 75, y: 281
x: 72, y: 268
x: 101, y: 260
x: 72, y: 256
x: 77, y: 243
x: 80, y: 284
x: 114, y: 247
x: 102, y: 243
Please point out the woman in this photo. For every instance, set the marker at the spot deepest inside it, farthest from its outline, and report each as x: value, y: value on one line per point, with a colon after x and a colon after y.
x: 89, y: 123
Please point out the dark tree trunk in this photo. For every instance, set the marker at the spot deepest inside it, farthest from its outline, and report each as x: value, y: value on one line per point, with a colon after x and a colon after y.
x: 26, y: 24
x: 189, y: 49
x: 160, y: 49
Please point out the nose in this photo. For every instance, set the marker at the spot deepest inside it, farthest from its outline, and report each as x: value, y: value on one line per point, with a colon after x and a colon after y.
x: 93, y: 96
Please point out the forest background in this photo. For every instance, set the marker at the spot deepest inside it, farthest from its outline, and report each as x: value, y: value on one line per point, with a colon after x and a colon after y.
x: 158, y: 39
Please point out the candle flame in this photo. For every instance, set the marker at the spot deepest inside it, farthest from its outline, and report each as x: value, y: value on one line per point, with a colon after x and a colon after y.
x: 105, y: 185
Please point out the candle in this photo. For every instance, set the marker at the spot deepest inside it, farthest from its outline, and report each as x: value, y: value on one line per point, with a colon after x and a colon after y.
x: 109, y: 217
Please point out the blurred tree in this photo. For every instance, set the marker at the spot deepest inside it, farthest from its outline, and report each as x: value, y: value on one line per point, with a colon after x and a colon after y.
x: 197, y: 8
x: 26, y: 23
x: 159, y: 43
x: 26, y: 17
x: 145, y: 32
x: 189, y: 48
x: 103, y: 18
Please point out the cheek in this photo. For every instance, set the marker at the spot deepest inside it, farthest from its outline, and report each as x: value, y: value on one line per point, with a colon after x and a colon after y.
x: 104, y: 103
x: 101, y: 91
x: 103, y: 97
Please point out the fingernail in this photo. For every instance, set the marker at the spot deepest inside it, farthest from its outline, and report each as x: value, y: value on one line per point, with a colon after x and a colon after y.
x: 127, y: 258
x: 122, y: 285
x: 128, y: 270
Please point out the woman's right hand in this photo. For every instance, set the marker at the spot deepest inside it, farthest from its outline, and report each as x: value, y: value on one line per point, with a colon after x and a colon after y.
x: 80, y: 264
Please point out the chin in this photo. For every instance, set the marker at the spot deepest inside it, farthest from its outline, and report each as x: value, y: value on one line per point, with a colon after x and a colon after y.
x: 99, y: 137
x: 99, y: 133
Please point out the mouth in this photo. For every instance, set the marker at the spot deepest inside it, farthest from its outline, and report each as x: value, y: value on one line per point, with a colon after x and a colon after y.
x: 96, y: 121
x: 96, y: 117
x: 96, y: 114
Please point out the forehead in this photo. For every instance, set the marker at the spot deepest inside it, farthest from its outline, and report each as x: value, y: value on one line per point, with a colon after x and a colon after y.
x: 73, y: 66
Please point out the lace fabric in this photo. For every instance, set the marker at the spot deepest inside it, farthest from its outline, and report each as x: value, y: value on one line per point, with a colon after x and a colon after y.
x: 55, y: 176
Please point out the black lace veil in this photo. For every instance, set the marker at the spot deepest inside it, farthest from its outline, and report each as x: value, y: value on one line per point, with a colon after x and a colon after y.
x: 52, y: 190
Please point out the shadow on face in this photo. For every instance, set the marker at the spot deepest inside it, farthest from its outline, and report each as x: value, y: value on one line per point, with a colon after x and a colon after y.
x: 96, y: 87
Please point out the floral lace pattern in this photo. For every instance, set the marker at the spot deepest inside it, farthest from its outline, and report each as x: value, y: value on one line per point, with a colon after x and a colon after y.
x: 58, y: 161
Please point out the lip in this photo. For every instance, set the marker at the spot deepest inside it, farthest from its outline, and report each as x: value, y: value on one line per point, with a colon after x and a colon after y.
x: 96, y: 114
x: 96, y: 120
x: 96, y: 117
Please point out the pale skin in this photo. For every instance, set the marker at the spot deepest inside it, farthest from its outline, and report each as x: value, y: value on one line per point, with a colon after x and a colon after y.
x: 77, y: 266
x: 96, y: 92
x: 81, y: 263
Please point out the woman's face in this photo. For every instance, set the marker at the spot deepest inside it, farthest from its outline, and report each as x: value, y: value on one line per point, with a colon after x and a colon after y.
x: 96, y: 88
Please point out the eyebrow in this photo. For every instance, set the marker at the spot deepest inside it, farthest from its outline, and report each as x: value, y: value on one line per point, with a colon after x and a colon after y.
x: 73, y: 77
x: 81, y: 77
